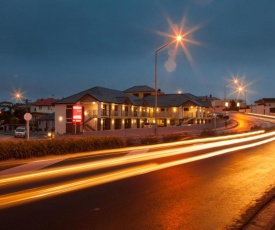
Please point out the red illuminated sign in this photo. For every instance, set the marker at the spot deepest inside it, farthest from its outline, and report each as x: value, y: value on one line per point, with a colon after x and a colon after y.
x: 77, y: 113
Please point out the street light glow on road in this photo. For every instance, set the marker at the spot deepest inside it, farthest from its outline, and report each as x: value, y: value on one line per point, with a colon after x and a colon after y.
x: 155, y: 154
x: 65, y: 187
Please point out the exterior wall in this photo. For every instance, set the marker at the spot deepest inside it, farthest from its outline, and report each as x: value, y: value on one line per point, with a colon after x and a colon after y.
x: 108, y: 116
x: 60, y: 119
x: 265, y: 109
x: 41, y: 109
x: 46, y: 125
x: 219, y: 105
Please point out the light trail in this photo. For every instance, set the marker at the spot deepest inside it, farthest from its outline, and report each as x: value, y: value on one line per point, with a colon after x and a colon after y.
x: 67, y: 170
x: 61, y: 188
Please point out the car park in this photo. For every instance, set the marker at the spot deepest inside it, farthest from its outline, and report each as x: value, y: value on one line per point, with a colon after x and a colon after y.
x: 20, y: 132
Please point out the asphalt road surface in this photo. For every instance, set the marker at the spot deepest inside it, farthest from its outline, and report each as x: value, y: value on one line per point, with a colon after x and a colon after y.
x: 221, y: 192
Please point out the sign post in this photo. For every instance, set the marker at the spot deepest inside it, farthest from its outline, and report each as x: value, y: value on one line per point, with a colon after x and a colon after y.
x: 28, y: 117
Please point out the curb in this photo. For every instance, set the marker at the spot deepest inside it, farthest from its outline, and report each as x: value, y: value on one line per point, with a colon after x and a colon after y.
x: 264, y: 219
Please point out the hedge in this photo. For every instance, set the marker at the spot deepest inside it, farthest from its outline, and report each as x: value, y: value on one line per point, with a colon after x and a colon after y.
x: 36, y: 148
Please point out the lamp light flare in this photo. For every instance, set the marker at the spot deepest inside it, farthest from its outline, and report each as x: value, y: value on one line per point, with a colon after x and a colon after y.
x: 17, y: 95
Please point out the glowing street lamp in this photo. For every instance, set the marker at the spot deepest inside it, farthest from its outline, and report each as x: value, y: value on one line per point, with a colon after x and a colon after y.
x: 27, y: 115
x: 235, y: 81
x: 18, y: 96
x: 178, y: 38
x: 180, y: 35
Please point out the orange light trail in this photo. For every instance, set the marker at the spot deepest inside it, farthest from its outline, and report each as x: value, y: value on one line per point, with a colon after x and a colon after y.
x: 67, y: 170
x: 61, y: 188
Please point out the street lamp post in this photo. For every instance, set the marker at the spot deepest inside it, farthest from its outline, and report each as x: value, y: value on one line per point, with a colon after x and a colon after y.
x: 27, y: 115
x: 178, y: 38
x: 232, y: 82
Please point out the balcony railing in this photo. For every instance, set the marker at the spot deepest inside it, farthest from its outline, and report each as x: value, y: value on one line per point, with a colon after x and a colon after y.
x: 142, y: 114
x: 114, y: 113
x: 91, y: 113
x: 105, y: 112
x: 126, y: 114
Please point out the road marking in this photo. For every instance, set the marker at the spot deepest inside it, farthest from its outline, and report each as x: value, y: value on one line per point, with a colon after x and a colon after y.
x: 33, y: 166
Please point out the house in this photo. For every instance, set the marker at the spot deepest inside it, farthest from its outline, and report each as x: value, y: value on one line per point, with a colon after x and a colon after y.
x: 42, y: 107
x: 220, y: 105
x: 99, y: 108
x: 39, y: 109
x: 265, y: 106
x: 46, y: 123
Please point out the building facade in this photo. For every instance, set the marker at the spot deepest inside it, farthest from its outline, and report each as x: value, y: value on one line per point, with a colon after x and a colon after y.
x: 109, y: 109
x: 40, y: 109
x: 264, y: 106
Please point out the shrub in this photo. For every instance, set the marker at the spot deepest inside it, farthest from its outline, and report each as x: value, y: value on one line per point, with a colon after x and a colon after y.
x: 131, y: 141
x: 172, y: 137
x: 37, y: 148
x: 256, y: 127
x: 270, y: 129
x: 147, y: 140
x: 208, y: 133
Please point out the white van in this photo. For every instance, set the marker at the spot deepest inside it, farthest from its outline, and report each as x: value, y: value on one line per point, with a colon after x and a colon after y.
x: 20, y: 132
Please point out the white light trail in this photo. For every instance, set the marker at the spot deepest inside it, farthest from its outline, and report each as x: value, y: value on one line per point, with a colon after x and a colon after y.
x: 67, y: 170
x: 61, y: 188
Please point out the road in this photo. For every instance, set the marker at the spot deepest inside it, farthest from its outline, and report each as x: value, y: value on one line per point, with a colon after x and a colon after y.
x: 217, y: 192
x: 246, y: 122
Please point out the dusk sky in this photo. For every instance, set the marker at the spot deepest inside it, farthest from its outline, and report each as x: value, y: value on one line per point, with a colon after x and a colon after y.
x: 62, y: 47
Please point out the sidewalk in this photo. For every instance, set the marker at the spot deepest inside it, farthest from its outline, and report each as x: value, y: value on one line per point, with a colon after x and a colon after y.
x: 264, y: 219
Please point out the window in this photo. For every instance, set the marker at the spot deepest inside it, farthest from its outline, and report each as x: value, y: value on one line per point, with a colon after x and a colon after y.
x: 135, y: 111
x: 104, y: 110
x: 69, y: 113
x: 126, y: 110
x: 116, y: 110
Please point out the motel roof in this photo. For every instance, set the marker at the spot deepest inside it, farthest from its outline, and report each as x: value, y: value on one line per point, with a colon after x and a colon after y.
x: 102, y: 94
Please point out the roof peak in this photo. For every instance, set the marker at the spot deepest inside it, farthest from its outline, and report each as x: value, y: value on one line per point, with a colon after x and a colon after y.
x: 139, y: 88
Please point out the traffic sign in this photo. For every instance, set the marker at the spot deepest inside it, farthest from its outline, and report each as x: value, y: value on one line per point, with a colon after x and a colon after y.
x: 27, y: 116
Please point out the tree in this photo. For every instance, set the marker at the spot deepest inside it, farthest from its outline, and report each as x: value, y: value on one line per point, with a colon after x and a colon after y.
x: 233, y: 104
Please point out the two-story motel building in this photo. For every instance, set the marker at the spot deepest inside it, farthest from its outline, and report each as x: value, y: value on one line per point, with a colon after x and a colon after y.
x: 101, y: 109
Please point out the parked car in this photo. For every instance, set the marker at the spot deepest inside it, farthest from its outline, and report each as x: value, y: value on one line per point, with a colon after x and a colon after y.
x: 20, y: 132
x: 148, y: 125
